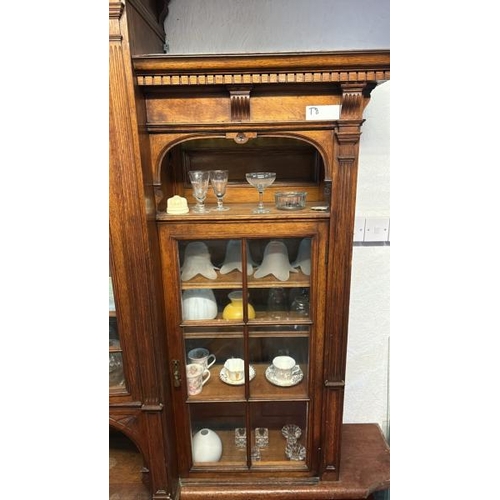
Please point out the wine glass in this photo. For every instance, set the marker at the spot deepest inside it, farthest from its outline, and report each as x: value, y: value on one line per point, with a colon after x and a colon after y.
x: 199, y: 181
x: 218, y: 179
x: 260, y: 181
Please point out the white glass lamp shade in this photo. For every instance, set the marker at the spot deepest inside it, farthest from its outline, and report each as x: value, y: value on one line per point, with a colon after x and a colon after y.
x: 197, y: 261
x: 232, y: 259
x: 275, y: 262
x: 304, y: 257
x: 199, y: 304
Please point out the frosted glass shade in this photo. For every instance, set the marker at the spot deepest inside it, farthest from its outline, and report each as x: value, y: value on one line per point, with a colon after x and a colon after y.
x: 304, y: 257
x: 275, y: 262
x: 232, y: 259
x: 197, y: 261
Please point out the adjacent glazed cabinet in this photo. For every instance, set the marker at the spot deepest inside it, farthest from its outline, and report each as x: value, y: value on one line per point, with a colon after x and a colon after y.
x: 265, y: 295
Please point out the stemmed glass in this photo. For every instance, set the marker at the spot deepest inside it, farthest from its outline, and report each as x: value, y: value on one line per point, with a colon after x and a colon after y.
x: 199, y: 181
x: 260, y: 181
x: 218, y: 179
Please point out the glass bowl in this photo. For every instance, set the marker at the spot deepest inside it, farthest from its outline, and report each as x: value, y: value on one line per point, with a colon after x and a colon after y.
x: 290, y: 200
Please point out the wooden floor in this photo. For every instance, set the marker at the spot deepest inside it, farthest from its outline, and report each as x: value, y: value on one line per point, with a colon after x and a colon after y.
x: 125, y: 466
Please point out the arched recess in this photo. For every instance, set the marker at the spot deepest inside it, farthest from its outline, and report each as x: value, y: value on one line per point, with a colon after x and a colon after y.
x: 302, y: 159
x: 128, y: 427
x: 128, y: 474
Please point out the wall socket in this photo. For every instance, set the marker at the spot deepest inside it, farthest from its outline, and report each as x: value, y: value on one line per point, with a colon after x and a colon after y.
x: 371, y: 229
x: 359, y: 228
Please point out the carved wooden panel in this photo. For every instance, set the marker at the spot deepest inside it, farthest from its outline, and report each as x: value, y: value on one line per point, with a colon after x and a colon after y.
x: 260, y: 78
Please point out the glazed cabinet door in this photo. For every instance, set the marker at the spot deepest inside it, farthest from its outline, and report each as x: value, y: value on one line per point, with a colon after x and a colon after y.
x: 116, y: 374
x: 245, y: 321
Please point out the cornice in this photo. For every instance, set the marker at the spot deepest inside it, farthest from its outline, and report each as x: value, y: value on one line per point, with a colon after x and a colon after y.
x: 116, y: 9
x: 251, y: 69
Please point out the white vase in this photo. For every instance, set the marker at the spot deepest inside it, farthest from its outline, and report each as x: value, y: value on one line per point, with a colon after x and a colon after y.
x: 207, y: 446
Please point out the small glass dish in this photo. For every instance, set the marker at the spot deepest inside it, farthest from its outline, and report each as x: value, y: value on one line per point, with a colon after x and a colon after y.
x: 256, y: 453
x: 295, y: 451
x: 290, y: 200
x: 291, y: 430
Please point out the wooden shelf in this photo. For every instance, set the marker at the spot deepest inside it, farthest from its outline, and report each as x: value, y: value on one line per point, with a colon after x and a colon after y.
x: 271, y: 456
x: 234, y: 280
x: 203, y: 334
x: 261, y: 320
x: 215, y: 390
x: 243, y: 211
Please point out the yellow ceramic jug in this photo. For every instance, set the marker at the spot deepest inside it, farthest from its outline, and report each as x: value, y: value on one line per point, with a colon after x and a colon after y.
x: 234, y: 310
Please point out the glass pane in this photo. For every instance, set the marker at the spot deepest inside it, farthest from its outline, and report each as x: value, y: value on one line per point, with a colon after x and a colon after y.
x: 210, y: 271
x: 281, y: 363
x: 281, y: 260
x: 112, y: 307
x: 116, y: 375
x: 213, y: 348
x: 246, y: 370
x: 207, y: 262
x: 217, y: 438
x: 281, y: 304
x: 279, y: 434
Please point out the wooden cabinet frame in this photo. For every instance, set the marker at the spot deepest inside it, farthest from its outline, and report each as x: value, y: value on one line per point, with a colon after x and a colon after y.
x: 158, y: 102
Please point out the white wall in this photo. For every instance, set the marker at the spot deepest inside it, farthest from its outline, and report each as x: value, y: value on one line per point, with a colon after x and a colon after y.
x: 225, y: 26
x: 366, y: 394
x: 229, y: 26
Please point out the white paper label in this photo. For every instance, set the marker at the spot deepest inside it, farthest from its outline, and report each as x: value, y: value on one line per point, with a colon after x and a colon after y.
x: 326, y: 112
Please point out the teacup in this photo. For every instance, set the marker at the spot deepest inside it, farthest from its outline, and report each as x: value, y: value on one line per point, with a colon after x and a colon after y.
x: 285, y: 367
x: 235, y: 369
x: 201, y: 356
x: 196, y: 376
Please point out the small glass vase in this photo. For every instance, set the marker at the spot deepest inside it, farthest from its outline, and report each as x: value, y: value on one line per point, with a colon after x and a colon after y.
x: 300, y: 307
x: 277, y: 303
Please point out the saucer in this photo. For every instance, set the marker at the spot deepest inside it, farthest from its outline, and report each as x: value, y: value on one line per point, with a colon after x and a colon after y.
x: 271, y: 377
x: 223, y: 376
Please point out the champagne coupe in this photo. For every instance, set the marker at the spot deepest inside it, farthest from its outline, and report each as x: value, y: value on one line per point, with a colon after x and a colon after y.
x: 218, y: 179
x: 199, y: 181
x: 260, y: 181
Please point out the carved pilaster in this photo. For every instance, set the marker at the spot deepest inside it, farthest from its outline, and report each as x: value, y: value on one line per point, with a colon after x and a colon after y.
x: 240, y: 103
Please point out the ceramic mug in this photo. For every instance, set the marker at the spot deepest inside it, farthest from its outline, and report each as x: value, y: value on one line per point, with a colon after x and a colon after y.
x: 201, y: 356
x: 196, y: 376
x: 285, y: 367
x: 235, y: 369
